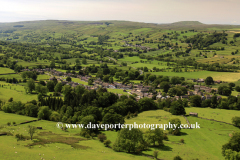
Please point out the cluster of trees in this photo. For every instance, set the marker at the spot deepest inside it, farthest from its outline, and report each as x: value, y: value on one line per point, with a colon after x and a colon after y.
x: 231, y: 102
x: 200, y: 40
x: 231, y: 150
x: 10, y: 80
x: 28, y: 75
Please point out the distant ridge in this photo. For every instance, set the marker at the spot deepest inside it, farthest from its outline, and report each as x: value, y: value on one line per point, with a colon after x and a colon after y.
x: 187, y: 23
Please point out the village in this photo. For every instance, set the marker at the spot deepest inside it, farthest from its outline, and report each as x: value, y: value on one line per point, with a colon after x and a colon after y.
x: 138, y: 90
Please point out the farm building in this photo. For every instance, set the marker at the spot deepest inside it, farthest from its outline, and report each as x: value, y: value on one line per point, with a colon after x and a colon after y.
x: 193, y: 114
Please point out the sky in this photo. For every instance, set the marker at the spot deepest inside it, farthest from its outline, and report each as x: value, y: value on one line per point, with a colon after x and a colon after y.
x: 149, y: 11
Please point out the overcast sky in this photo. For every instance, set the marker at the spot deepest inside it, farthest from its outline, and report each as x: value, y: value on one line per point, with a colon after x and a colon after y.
x: 153, y: 11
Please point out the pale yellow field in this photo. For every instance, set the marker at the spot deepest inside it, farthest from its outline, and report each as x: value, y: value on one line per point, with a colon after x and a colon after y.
x: 230, y: 77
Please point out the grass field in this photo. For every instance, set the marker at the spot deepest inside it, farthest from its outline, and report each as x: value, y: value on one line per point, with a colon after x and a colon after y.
x: 6, y: 70
x: 17, y: 92
x: 88, y: 148
x: 17, y: 76
x: 223, y: 76
x: 216, y: 114
x: 203, y: 143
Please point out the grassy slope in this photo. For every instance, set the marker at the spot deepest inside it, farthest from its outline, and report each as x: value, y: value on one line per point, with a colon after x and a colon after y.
x: 15, y: 91
x: 224, y: 76
x: 217, y: 114
x: 204, y: 143
x: 6, y: 70
x: 62, y: 151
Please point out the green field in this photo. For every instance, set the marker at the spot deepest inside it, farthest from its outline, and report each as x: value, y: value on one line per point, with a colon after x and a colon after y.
x: 216, y: 114
x: 17, y: 92
x: 223, y: 76
x: 201, y: 143
x: 6, y: 70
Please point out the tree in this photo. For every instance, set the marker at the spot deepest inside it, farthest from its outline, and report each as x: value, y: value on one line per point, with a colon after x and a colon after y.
x: 233, y: 145
x: 113, y: 118
x: 69, y: 79
x: 106, y: 78
x: 177, y: 158
x: 236, y: 121
x: 41, y: 89
x: 50, y: 86
x: 232, y: 155
x: 30, y: 85
x: 102, y: 137
x: 231, y: 85
x: 209, y: 81
x: 128, y: 140
x: 155, y: 135
x: 55, y: 116
x: 196, y: 101
x: 174, y: 131
x: 165, y: 86
x: 66, y: 89
x: 237, y: 88
x: 10, y: 99
x: 44, y: 113
x: 110, y: 79
x: 31, y: 131
x: 152, y: 78
x: 58, y: 87
x: 175, y: 80
x: 84, y: 61
x: 77, y: 62
x: 214, y: 102
x: 87, y: 119
x: 177, y: 108
x: 146, y: 104
x: 175, y: 91
x: 145, y: 69
x: 90, y: 82
x: 206, y: 103
x: 42, y: 83
x: 13, y: 107
x: 31, y: 110
x: 107, y: 143
x: 224, y: 90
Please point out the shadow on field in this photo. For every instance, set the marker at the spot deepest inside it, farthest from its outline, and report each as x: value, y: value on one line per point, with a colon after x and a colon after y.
x: 183, y: 134
x: 162, y: 148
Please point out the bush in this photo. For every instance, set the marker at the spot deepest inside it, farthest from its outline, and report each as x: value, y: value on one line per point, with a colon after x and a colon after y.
x: 93, y: 135
x: 19, y: 137
x: 14, y: 123
x: 107, y: 143
x: 237, y: 88
x: 102, y: 137
x: 182, y: 140
x: 236, y: 121
x: 177, y: 158
x: 8, y: 123
x: 165, y: 137
x: 84, y: 132
x: 64, y: 128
